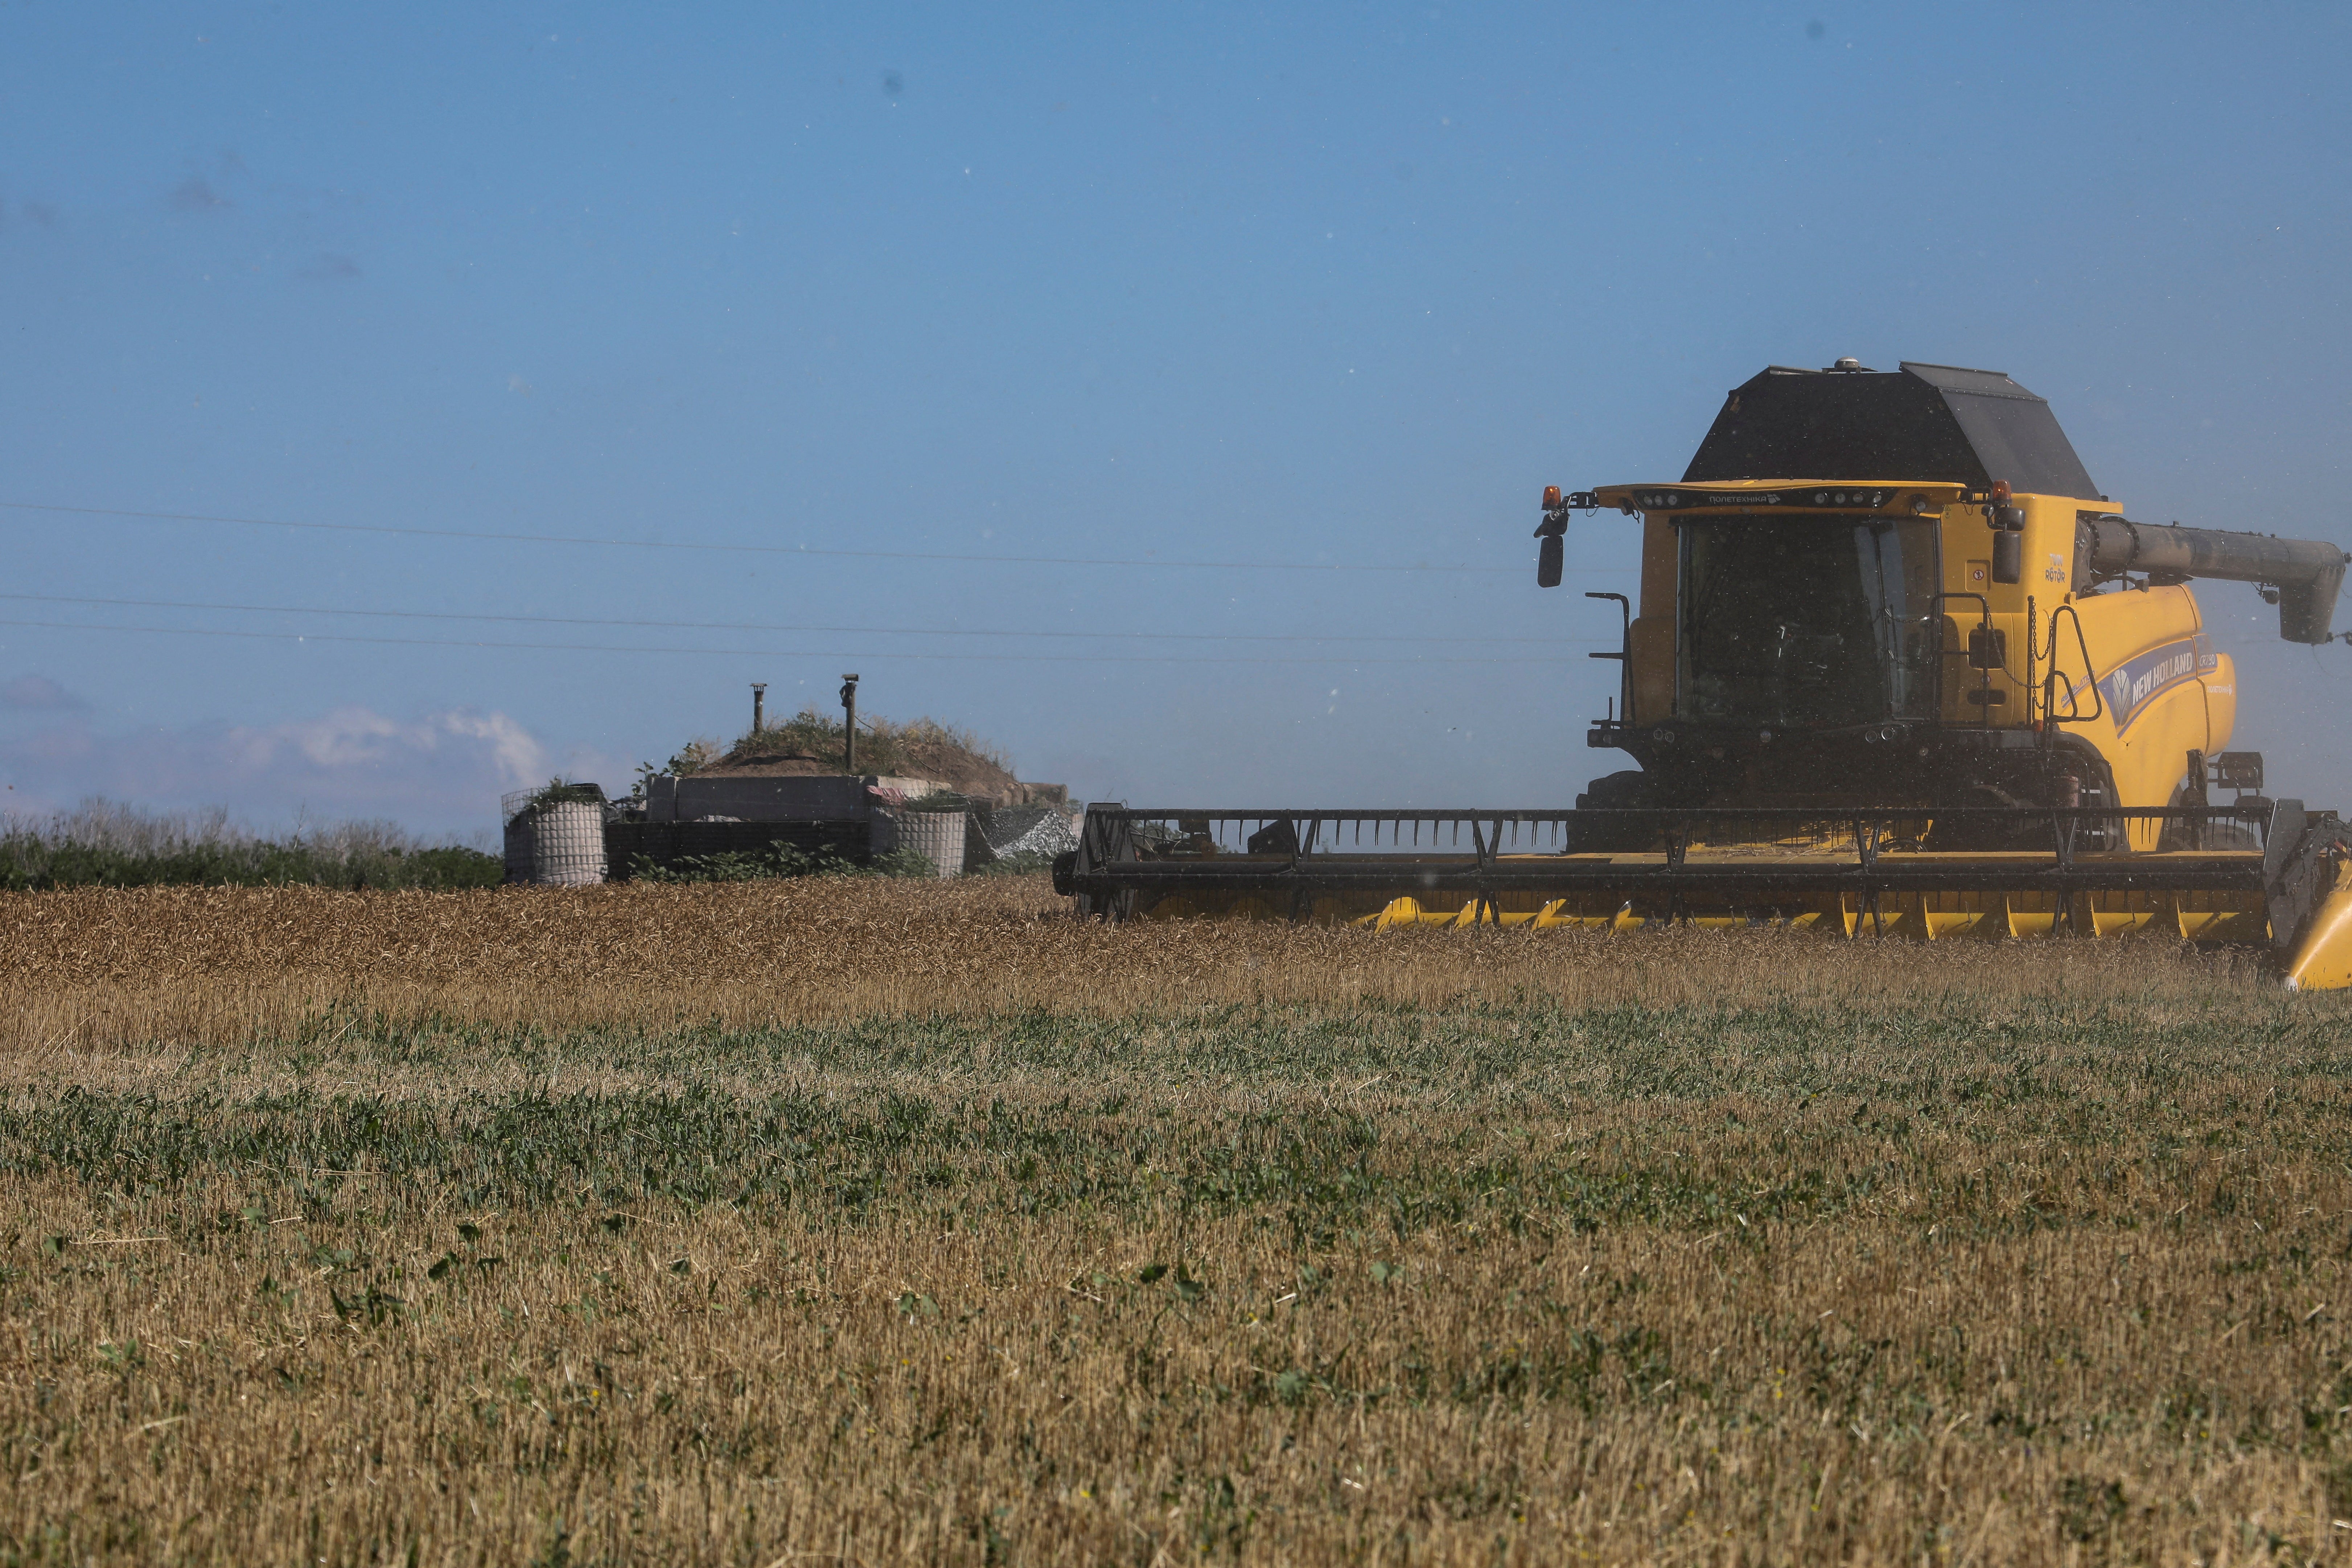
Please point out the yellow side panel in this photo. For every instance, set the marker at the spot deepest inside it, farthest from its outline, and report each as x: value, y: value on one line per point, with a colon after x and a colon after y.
x: 1653, y: 623
x: 1661, y: 568
x: 2221, y: 705
x: 2151, y: 756
x: 2323, y: 961
x: 1654, y: 668
x: 2151, y: 751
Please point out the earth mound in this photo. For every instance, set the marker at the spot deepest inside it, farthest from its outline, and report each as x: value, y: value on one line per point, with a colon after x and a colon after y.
x: 810, y: 743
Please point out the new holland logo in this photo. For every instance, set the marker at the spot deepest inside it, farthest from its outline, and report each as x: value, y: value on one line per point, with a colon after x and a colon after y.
x: 2136, y: 681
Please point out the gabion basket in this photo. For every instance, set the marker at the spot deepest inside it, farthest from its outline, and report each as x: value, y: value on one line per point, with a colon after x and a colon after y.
x: 555, y: 834
x: 936, y: 832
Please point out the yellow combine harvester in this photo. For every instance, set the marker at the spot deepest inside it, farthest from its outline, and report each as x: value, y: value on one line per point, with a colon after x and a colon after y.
x: 1897, y: 667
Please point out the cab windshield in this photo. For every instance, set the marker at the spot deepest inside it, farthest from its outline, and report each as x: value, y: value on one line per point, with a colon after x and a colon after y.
x: 1807, y: 619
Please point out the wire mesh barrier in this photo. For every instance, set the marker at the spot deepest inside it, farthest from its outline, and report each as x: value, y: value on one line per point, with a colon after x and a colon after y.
x: 936, y: 832
x: 555, y: 834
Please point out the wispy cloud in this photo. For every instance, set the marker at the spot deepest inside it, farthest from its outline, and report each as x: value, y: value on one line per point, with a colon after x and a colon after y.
x: 42, y: 213
x: 354, y: 738
x: 329, y: 267
x: 437, y: 770
x: 197, y: 195
x: 38, y: 693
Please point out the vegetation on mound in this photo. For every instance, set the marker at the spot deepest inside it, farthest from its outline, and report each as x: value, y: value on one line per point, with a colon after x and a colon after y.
x: 2042, y: 1283
x: 882, y: 747
x: 104, y: 845
x: 923, y: 748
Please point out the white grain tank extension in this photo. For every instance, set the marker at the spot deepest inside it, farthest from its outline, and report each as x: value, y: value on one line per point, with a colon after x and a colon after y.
x: 556, y: 836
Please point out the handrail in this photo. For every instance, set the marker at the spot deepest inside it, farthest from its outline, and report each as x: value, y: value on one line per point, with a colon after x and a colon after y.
x: 1624, y: 657
x: 2075, y: 715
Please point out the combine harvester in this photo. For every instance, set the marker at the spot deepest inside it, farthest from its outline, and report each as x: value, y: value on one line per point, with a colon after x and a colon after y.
x: 1898, y: 668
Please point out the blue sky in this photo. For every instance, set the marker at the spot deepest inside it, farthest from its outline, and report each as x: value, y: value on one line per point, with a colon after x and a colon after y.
x: 1315, y: 286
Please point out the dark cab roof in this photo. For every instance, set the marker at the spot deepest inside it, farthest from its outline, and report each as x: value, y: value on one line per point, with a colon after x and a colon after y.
x: 1921, y: 421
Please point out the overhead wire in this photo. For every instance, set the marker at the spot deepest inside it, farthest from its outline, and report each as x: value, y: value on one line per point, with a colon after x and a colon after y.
x: 491, y: 536
x: 772, y: 626
x: 824, y: 552
x: 751, y: 652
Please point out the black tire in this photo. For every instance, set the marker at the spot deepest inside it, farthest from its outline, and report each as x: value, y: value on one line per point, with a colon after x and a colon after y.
x: 1631, y: 790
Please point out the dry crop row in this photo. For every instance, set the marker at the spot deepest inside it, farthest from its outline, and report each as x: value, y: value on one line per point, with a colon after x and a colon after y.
x: 217, y: 964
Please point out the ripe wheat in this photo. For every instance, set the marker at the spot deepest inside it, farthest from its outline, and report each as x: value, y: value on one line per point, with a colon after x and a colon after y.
x: 875, y: 1224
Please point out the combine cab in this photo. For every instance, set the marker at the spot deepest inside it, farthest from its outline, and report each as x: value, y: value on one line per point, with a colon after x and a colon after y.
x: 1898, y: 668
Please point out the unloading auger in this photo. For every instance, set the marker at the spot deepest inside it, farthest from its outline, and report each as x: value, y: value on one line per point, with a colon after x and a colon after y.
x: 1898, y: 668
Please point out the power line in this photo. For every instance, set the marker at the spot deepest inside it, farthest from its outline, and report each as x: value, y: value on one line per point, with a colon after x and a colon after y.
x: 770, y: 627
x: 751, y: 549
x: 747, y: 652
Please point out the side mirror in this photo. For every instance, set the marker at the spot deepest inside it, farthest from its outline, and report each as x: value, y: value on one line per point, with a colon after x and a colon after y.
x: 1551, y: 558
x: 2008, y: 557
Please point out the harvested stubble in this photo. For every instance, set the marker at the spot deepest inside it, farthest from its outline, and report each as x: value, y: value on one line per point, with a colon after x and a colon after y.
x: 2048, y: 1268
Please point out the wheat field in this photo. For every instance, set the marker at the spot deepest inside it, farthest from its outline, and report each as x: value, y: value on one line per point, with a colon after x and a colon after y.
x: 874, y: 1222
x: 214, y: 965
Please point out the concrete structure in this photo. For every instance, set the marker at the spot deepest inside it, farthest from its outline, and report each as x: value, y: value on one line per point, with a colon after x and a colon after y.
x: 834, y: 815
x: 812, y: 797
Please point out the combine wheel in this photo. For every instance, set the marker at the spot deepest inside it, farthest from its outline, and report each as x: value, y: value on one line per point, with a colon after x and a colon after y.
x: 1629, y: 790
